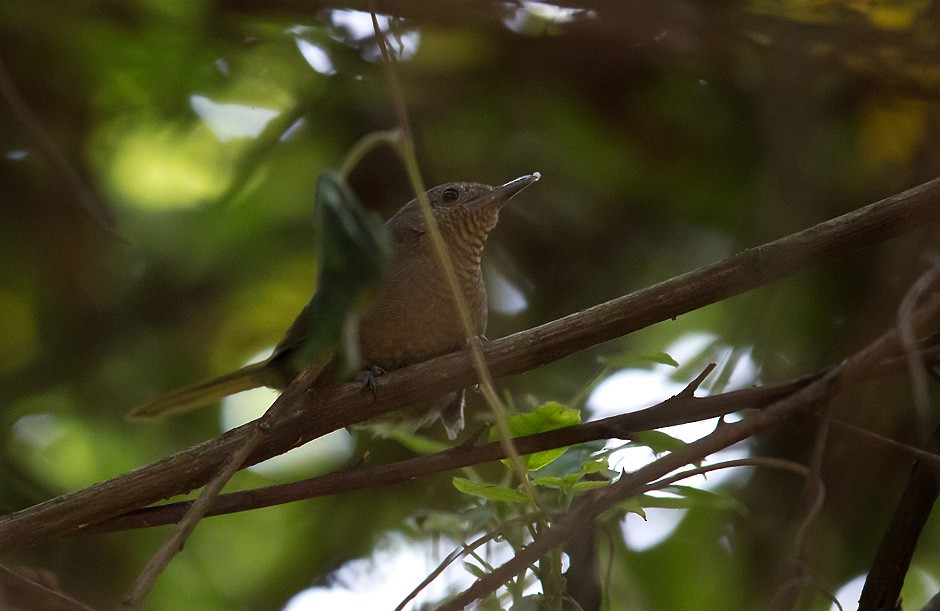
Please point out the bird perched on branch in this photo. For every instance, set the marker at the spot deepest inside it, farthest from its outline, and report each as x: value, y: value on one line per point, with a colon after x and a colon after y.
x: 413, y: 318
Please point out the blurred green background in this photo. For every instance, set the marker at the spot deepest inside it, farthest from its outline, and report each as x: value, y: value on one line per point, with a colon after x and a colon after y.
x: 669, y: 134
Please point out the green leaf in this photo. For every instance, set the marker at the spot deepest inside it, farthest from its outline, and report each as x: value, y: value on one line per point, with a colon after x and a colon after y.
x: 547, y: 417
x: 489, y: 491
x: 664, y: 502
x: 657, y: 441
x: 589, y: 485
x: 708, y: 498
x: 561, y: 483
x: 595, y: 466
x: 474, y: 570
x: 353, y: 248
x: 621, y: 361
x: 415, y: 442
x: 633, y: 505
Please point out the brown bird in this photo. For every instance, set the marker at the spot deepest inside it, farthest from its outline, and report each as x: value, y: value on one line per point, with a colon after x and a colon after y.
x: 414, y: 316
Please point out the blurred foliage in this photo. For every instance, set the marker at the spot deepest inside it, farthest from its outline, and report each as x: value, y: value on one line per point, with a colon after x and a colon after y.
x: 669, y: 134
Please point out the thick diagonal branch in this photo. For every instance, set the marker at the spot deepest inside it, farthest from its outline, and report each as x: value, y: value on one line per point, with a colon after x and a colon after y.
x: 308, y: 416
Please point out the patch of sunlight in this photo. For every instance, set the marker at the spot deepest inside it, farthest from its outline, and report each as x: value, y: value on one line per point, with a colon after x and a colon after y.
x: 919, y: 586
x: 163, y: 169
x: 316, y: 457
x: 357, y: 25
x: 887, y: 15
x: 354, y: 28
x: 19, y: 337
x: 505, y: 297
x: 316, y: 56
x: 397, y: 565
x: 630, y: 390
x: 530, y: 17
x: 891, y: 135
x: 39, y: 430
x: 640, y: 535
x: 229, y: 121
x: 60, y: 450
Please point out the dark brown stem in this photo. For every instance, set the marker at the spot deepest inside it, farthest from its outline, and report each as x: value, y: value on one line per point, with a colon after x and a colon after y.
x: 882, y: 589
x: 27, y: 589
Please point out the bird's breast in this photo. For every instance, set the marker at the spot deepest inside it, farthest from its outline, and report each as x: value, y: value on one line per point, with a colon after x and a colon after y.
x: 414, y: 316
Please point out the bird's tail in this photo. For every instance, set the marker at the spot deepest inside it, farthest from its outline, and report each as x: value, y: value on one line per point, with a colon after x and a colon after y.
x: 201, y: 394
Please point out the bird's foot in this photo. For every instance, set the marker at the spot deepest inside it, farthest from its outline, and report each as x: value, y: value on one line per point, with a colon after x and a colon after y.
x: 369, y: 376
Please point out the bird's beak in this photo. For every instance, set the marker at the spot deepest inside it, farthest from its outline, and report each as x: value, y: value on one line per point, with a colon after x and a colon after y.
x: 502, y: 194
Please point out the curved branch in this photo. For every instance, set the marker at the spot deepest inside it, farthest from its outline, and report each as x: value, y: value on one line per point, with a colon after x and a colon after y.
x: 307, y: 416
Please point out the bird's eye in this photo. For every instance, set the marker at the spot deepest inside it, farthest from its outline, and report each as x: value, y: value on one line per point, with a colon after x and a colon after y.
x: 450, y: 195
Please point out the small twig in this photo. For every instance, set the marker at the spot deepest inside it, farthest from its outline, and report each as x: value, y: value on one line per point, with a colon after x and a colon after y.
x: 918, y: 370
x: 391, y: 138
x: 18, y: 590
x: 922, y: 455
x: 464, y: 550
x: 691, y: 387
x: 892, y: 561
x: 817, y: 496
x: 798, y: 576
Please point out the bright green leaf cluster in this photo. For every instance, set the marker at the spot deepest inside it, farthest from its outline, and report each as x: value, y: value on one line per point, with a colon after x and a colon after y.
x: 547, y: 417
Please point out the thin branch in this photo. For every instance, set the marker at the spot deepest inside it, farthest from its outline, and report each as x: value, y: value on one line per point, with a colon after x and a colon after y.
x: 345, y: 404
x: 464, y: 550
x: 926, y: 422
x: 372, y: 140
x: 931, y: 459
x: 19, y: 590
x: 765, y: 462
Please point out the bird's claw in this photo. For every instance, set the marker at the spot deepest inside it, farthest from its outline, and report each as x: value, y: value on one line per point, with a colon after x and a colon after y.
x: 369, y: 376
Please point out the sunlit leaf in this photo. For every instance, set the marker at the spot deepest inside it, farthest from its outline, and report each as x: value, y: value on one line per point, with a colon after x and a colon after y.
x: 490, y: 492
x: 657, y: 441
x: 586, y: 485
x: 709, y: 498
x: 633, y: 505
x: 596, y: 466
x: 547, y: 417
x: 474, y: 570
x: 415, y: 442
